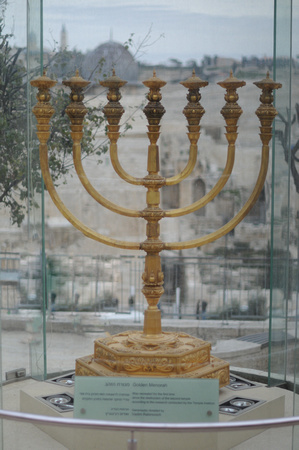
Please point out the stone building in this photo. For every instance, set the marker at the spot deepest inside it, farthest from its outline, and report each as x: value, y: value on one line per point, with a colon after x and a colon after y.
x: 99, y: 63
x: 174, y: 147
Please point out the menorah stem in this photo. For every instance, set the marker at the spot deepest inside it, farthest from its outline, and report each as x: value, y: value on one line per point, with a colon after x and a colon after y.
x: 153, y: 163
x: 152, y: 290
x: 153, y: 276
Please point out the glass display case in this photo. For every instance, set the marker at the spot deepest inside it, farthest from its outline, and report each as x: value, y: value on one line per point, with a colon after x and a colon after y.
x: 60, y: 290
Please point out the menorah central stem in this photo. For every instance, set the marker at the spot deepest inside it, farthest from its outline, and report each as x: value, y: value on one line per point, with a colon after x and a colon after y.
x: 153, y: 277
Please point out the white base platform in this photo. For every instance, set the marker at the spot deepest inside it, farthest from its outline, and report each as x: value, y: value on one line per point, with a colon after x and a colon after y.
x: 78, y: 439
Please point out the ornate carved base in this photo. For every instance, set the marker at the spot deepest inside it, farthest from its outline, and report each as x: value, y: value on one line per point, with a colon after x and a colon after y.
x: 174, y: 355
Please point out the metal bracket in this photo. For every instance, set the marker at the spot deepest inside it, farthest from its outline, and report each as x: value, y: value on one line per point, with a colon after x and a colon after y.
x: 15, y: 374
x: 132, y: 443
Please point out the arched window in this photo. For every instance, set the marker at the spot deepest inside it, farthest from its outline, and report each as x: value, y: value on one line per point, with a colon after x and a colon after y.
x: 198, y: 191
x: 258, y: 212
x: 170, y: 196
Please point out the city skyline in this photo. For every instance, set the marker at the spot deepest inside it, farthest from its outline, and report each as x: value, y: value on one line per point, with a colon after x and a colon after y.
x: 178, y: 30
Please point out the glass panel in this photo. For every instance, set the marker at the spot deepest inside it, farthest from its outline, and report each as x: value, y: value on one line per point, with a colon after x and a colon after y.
x: 282, y: 305
x: 1, y: 403
x: 35, y: 221
x: 226, y: 281
x: 20, y: 199
x: 96, y: 288
x: 294, y: 201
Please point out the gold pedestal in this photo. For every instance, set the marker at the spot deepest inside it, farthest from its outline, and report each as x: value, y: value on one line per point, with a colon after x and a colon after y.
x: 173, y: 355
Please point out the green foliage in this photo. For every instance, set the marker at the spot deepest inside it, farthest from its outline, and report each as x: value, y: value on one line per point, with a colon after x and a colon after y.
x: 129, y: 43
x: 19, y: 167
x: 63, y: 66
x: 60, y: 142
x: 13, y: 153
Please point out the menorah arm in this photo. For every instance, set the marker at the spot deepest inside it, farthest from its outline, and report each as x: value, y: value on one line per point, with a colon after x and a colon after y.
x: 93, y: 192
x: 44, y: 163
x: 213, y: 192
x: 118, y: 168
x: 235, y: 220
x: 187, y: 170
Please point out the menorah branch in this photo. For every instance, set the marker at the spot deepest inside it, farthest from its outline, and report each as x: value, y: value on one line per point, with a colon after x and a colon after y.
x: 193, y: 112
x: 119, y: 169
x: 76, y: 112
x: 44, y: 163
x: 187, y: 170
x: 231, y: 113
x: 93, y: 192
x: 209, y: 196
x: 113, y: 111
x: 43, y: 111
x: 235, y: 220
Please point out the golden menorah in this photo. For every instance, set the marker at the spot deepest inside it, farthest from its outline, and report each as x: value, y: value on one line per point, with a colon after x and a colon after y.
x: 152, y: 352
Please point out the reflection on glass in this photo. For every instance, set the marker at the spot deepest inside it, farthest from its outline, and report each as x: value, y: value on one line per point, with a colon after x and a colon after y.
x: 281, y: 261
x: 227, y: 281
x: 20, y: 182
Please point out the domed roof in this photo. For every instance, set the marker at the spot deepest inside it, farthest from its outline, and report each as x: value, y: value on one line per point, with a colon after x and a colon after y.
x: 98, y: 64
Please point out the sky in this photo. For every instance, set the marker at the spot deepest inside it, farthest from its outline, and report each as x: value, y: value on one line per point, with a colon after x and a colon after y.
x: 178, y: 29
x: 183, y: 30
